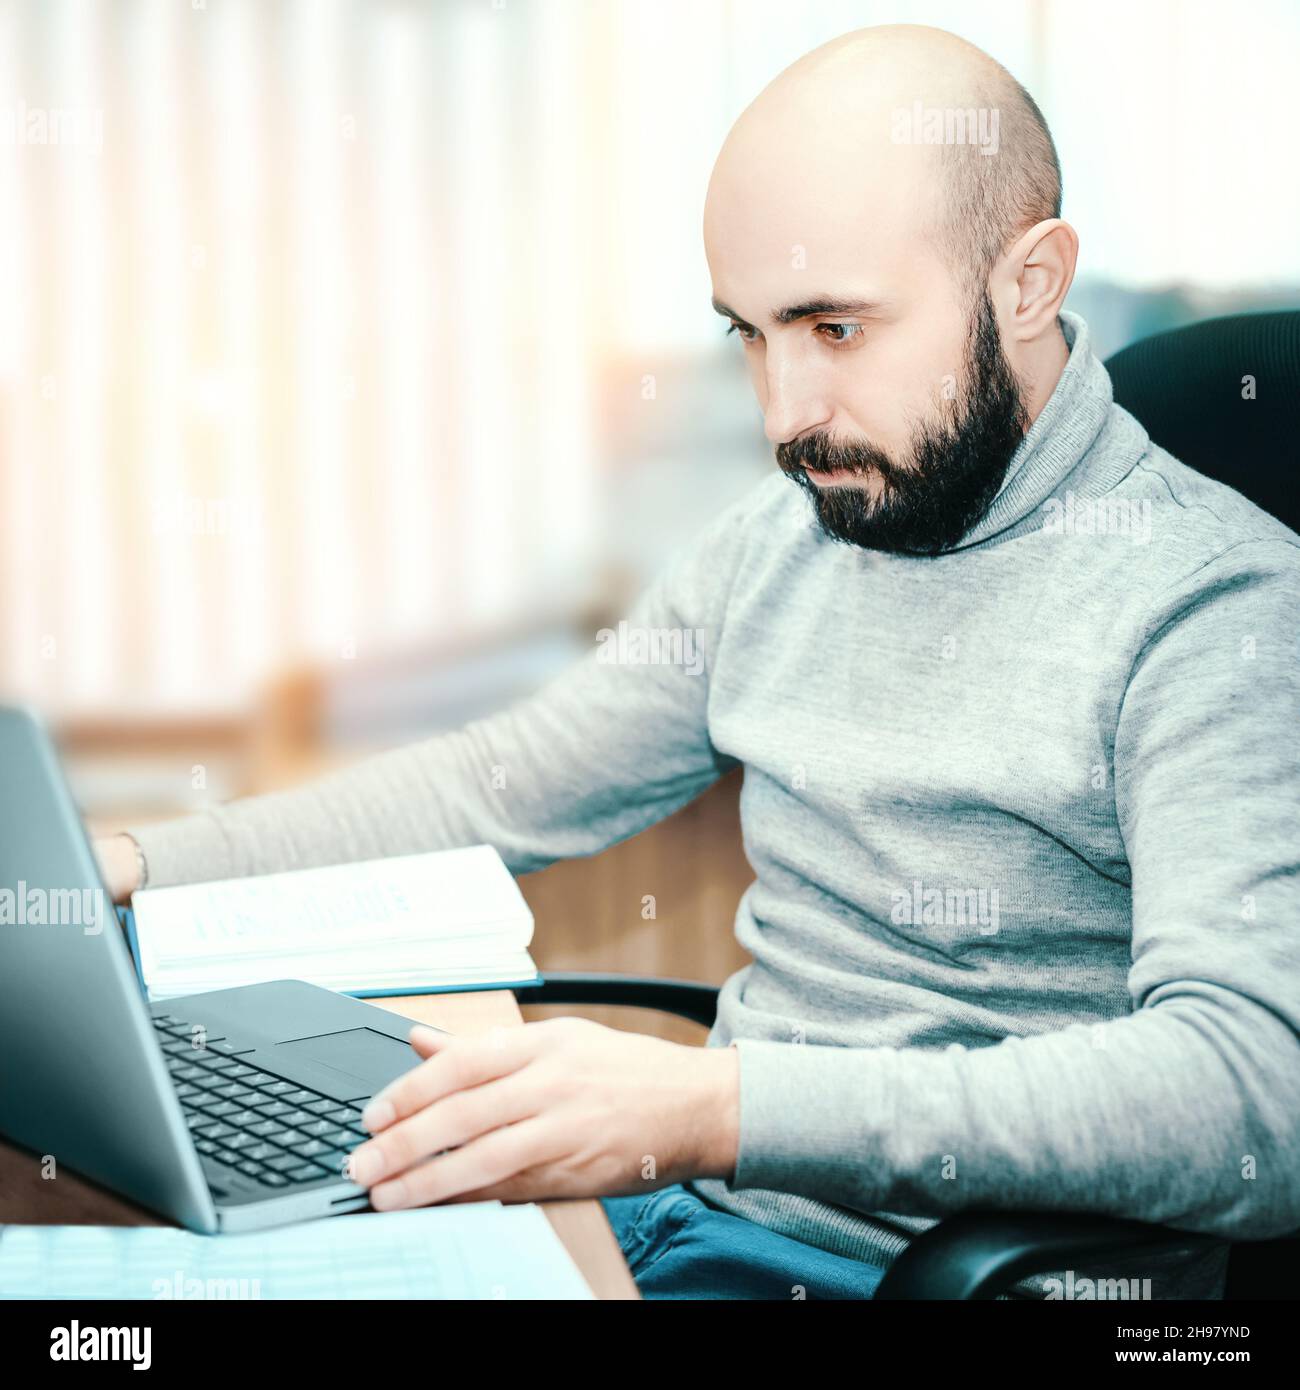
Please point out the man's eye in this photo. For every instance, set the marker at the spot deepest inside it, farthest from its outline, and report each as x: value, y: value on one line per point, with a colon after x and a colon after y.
x: 840, y: 333
x: 746, y: 332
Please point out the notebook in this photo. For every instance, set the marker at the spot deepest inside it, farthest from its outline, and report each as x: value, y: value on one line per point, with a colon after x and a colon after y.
x: 414, y: 924
x: 469, y: 1251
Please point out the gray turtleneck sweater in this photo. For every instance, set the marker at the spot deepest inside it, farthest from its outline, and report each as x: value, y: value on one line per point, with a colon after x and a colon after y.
x: 1025, y: 825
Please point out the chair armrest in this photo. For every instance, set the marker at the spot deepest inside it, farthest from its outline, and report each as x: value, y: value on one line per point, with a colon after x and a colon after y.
x: 685, y: 998
x: 979, y: 1254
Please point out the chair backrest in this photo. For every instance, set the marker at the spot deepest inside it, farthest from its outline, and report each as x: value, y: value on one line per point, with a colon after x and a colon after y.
x: 1188, y: 389
x: 1223, y: 396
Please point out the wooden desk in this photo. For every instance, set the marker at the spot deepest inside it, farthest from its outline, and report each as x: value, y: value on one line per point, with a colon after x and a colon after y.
x: 27, y: 1198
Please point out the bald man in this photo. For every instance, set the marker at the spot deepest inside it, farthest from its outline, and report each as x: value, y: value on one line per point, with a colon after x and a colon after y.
x: 1015, y: 695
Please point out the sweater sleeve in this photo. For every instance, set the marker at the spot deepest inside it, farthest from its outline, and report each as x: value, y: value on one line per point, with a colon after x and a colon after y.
x: 613, y: 744
x: 1186, y: 1111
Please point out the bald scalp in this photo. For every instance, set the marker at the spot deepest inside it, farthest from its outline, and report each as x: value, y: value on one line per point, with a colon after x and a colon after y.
x: 978, y: 200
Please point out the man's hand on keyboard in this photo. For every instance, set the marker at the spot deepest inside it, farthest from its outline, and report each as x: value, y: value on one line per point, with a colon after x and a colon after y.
x: 563, y: 1108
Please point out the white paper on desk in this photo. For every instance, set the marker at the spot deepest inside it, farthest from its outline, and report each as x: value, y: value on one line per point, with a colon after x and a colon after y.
x: 437, y: 919
x: 480, y: 1250
x: 443, y: 893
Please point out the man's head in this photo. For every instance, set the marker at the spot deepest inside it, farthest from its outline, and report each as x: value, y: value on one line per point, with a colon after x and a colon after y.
x: 897, y: 297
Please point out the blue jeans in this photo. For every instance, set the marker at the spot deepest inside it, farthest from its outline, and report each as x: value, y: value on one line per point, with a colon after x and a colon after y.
x: 680, y: 1247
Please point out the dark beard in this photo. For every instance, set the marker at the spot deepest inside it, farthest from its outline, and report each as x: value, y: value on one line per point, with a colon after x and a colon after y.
x: 957, y: 466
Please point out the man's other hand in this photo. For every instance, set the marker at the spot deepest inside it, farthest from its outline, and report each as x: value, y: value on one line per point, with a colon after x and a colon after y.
x: 562, y: 1108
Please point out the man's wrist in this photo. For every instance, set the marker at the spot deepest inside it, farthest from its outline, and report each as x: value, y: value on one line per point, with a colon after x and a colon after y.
x: 717, y: 1120
x: 141, y: 863
x: 131, y: 871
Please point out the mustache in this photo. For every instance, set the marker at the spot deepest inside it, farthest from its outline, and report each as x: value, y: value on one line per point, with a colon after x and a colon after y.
x: 823, y: 453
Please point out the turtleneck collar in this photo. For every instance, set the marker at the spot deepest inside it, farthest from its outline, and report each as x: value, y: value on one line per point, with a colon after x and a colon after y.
x: 1055, y: 444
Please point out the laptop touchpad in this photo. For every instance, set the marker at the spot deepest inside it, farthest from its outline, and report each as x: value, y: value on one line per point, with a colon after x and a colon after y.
x: 364, y: 1061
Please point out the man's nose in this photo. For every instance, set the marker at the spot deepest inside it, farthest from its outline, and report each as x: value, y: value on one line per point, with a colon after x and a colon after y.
x: 794, y: 403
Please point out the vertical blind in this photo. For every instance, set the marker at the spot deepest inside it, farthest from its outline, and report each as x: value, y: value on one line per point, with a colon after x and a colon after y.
x: 296, y: 341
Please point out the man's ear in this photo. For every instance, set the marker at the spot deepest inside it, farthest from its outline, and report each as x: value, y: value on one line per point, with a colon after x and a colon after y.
x: 1033, y: 277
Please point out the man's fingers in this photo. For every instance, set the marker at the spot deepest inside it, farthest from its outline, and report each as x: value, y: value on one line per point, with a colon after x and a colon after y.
x: 486, y: 1162
x: 452, y: 1064
x: 426, y: 1041
x: 446, y: 1124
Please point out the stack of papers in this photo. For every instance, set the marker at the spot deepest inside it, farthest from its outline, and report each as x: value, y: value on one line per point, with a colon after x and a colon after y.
x: 475, y: 1250
x: 417, y: 924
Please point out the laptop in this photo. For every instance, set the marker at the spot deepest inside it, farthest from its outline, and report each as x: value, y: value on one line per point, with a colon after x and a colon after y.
x: 233, y: 1110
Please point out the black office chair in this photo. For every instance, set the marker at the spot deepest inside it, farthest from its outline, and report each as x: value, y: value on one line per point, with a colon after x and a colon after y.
x: 1186, y: 388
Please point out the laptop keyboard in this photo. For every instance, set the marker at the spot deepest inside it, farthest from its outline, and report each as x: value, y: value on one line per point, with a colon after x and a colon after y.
x: 265, y: 1127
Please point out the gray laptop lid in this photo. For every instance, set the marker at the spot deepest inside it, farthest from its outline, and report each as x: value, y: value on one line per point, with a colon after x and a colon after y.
x: 82, y: 1078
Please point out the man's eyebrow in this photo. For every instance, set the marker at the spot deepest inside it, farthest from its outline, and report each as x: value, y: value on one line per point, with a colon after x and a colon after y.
x: 826, y: 304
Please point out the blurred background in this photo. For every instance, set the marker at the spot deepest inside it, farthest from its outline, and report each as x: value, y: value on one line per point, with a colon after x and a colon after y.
x: 357, y: 363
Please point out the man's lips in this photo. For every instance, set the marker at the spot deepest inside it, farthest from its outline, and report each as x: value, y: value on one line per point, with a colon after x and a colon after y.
x: 836, y: 477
